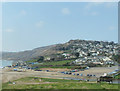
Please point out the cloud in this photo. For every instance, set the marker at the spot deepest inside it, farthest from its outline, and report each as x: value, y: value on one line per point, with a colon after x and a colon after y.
x: 89, y: 7
x: 9, y: 30
x: 23, y: 13
x: 40, y: 24
x: 65, y: 11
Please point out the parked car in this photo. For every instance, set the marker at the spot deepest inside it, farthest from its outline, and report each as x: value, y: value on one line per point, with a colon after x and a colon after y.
x: 66, y: 72
x: 47, y: 70
x: 88, y: 75
x: 62, y: 72
x: 38, y: 70
x: 15, y: 70
x: 73, y: 73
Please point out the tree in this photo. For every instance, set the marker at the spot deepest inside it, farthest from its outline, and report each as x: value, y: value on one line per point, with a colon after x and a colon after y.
x: 116, y: 58
x: 77, y: 54
x: 52, y: 59
x: 41, y: 58
x: 88, y: 54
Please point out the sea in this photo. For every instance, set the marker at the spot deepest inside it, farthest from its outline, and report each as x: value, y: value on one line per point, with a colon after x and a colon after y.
x: 4, y: 63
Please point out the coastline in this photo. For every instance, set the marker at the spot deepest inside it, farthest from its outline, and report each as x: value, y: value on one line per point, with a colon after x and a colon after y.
x: 4, y: 63
x: 10, y: 75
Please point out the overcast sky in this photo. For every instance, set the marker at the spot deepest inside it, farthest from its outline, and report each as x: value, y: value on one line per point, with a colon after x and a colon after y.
x: 30, y: 25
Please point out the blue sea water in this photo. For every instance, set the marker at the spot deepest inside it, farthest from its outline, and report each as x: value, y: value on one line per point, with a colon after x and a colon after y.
x: 4, y: 63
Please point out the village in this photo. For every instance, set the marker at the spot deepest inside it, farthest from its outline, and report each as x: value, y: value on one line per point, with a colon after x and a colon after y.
x: 88, y: 52
x: 76, y: 60
x: 83, y: 58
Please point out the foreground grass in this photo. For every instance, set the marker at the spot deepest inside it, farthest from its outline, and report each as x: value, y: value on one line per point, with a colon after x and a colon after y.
x: 38, y: 79
x: 117, y: 76
x: 56, y: 84
x: 70, y: 85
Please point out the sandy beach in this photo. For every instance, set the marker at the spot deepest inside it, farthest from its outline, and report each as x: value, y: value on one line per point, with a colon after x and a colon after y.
x: 98, y: 71
x: 8, y: 75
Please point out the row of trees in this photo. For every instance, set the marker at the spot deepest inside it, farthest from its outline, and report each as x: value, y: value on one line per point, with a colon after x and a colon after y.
x: 117, y: 58
x: 56, y: 57
x: 40, y: 59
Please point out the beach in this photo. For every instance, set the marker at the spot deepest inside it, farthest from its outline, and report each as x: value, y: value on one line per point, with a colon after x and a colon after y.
x: 8, y: 75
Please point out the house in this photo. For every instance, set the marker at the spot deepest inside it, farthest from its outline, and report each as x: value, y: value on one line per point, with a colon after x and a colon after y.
x: 106, y: 59
x: 98, y: 63
x: 47, y: 58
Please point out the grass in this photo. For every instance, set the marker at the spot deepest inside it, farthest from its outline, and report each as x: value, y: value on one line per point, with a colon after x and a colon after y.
x: 28, y: 79
x: 36, y: 79
x: 51, y: 62
x: 61, y: 84
x: 117, y: 76
x: 57, y: 62
x: 33, y: 60
x: 57, y: 80
x: 68, y: 67
x: 54, y: 64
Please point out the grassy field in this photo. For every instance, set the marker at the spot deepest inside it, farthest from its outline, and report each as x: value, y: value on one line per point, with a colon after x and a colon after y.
x: 68, y: 67
x: 54, y: 64
x: 117, y: 76
x: 57, y: 62
x: 55, y: 84
x: 33, y: 60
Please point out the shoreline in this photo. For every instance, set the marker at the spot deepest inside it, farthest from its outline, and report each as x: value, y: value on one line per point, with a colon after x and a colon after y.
x: 8, y: 75
x: 4, y: 63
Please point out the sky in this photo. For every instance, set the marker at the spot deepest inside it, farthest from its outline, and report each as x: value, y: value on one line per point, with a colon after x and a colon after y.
x: 28, y: 25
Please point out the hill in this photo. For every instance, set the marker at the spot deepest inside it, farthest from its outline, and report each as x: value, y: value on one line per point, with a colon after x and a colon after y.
x: 70, y: 46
